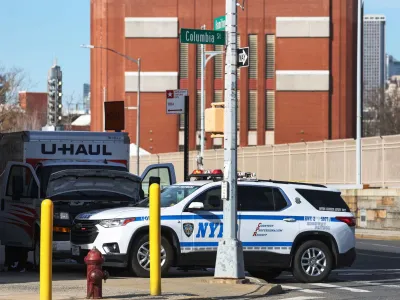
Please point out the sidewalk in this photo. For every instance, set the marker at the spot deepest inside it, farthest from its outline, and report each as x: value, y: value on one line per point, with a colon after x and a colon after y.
x: 375, y: 234
x: 173, y: 288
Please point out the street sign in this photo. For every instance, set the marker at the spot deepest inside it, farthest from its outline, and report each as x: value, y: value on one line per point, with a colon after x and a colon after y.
x: 219, y: 23
x: 198, y: 36
x: 243, y: 57
x: 176, y: 101
x: 114, y: 115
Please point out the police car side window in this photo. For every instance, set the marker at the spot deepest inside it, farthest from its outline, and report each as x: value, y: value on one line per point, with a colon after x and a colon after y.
x: 211, y: 199
x: 255, y: 198
x: 279, y: 200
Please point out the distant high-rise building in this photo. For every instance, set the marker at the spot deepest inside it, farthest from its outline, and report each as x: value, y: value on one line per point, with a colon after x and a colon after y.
x: 392, y: 67
x: 54, y: 100
x: 86, y: 97
x: 374, y: 52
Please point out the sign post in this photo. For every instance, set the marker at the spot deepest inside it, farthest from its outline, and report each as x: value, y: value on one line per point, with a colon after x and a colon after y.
x: 243, y: 57
x: 199, y: 36
x: 114, y: 112
x: 219, y: 23
x: 186, y: 142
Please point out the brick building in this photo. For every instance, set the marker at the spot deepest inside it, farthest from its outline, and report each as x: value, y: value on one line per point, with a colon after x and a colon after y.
x: 35, y: 104
x: 300, y: 86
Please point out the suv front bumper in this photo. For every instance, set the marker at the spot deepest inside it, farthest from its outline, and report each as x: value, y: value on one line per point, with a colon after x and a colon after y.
x: 346, y: 259
x: 116, y: 260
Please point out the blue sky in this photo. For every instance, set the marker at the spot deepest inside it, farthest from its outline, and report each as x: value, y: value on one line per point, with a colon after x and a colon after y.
x: 34, y: 32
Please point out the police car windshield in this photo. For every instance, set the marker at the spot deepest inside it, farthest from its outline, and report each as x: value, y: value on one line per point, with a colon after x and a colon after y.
x: 171, y: 195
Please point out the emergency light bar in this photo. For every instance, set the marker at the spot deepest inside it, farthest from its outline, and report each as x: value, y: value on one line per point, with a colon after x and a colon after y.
x: 217, y: 174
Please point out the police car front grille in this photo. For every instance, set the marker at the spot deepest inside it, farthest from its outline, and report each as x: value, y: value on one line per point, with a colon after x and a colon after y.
x: 84, y: 232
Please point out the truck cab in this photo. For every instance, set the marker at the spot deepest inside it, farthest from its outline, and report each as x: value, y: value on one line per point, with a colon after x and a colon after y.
x: 72, y: 185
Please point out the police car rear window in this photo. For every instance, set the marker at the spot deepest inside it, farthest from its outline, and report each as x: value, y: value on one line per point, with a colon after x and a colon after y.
x: 324, y: 200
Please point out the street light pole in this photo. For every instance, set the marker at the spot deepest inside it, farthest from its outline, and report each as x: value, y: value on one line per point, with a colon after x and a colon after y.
x: 230, y: 262
x: 136, y: 61
x: 359, y: 91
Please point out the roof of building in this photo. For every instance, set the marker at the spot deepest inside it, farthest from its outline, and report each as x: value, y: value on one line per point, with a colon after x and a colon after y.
x: 83, y: 120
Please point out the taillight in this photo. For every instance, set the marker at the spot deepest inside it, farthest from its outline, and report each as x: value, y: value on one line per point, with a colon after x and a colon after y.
x: 351, y: 221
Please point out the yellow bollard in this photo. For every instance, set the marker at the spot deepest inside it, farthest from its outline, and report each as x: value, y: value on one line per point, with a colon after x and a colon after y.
x: 46, y: 249
x: 155, y: 241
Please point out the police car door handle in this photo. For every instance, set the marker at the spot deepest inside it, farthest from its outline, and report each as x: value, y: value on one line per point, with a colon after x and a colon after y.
x: 289, y: 220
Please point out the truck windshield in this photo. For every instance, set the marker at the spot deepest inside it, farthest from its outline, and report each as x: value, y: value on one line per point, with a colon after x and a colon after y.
x: 171, y: 195
x: 94, y: 196
x: 43, y: 173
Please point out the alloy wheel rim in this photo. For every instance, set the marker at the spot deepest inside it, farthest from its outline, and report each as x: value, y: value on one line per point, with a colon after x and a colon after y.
x: 313, y: 262
x: 143, y: 256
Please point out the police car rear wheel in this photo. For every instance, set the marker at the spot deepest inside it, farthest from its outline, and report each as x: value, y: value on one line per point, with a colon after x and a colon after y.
x: 140, y: 258
x: 312, y: 262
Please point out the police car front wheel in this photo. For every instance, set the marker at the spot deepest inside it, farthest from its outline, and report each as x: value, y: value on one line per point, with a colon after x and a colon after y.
x: 140, y: 258
x: 312, y: 262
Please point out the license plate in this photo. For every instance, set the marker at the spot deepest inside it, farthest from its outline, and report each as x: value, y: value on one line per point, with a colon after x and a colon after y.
x: 75, y: 250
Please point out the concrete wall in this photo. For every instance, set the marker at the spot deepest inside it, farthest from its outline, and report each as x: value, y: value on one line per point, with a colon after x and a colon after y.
x: 375, y: 208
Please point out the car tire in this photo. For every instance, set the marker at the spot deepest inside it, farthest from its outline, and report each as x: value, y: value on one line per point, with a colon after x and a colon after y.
x: 139, y: 251
x: 312, y: 262
x: 267, y: 275
x: 36, y: 255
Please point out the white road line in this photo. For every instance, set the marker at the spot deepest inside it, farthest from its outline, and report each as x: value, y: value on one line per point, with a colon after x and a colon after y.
x: 299, y: 289
x: 304, y: 298
x: 380, y: 284
x: 354, y: 290
x: 382, y: 256
x: 380, y: 245
x: 365, y: 270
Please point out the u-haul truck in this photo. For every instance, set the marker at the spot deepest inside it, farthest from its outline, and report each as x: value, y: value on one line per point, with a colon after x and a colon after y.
x: 31, y: 160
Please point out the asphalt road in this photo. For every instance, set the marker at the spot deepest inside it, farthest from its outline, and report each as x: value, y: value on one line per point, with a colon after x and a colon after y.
x: 374, y: 275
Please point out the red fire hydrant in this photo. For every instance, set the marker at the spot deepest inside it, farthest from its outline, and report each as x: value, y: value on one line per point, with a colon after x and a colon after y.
x: 95, y: 274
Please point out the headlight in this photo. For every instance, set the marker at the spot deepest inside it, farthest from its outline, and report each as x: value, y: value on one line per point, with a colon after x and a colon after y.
x: 61, y: 215
x: 115, y: 222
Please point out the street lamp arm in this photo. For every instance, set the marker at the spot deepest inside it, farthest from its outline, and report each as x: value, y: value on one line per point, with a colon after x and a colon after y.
x: 119, y: 53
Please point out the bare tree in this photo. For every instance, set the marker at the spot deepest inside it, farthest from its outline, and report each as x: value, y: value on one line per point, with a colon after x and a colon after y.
x: 382, y: 112
x: 12, y: 117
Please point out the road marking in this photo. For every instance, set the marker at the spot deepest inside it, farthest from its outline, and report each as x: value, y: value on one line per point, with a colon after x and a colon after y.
x: 389, y: 246
x: 304, y: 298
x: 366, y: 270
x: 354, y: 290
x: 299, y: 289
x: 382, y: 256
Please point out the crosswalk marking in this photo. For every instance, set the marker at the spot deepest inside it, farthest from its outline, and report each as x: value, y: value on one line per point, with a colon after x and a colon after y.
x: 295, y: 288
x: 333, y: 286
x: 304, y: 298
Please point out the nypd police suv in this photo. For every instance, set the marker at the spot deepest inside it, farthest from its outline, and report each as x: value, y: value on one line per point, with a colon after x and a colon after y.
x: 303, y: 228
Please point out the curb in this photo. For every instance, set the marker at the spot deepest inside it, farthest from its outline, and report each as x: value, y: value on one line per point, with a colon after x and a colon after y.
x: 366, y: 236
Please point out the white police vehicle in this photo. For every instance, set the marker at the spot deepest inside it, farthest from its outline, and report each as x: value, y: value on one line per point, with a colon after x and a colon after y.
x: 304, y: 228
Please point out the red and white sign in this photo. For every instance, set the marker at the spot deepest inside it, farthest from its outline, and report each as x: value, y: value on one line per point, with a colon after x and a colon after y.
x: 176, y: 101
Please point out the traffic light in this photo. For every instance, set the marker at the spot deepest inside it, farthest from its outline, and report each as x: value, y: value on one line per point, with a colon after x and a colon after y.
x: 214, y: 119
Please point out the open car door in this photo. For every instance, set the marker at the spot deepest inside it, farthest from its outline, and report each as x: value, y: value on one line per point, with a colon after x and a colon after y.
x: 166, y: 172
x: 18, y: 196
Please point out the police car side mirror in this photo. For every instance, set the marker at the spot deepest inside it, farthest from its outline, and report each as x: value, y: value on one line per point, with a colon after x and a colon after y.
x: 196, y: 206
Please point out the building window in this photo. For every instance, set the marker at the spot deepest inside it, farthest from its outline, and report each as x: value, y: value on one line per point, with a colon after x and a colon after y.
x: 218, y: 96
x: 270, y: 56
x: 183, y: 61
x: 198, y: 109
x: 252, y: 110
x: 238, y: 46
x: 198, y: 61
x: 253, y: 63
x: 270, y: 110
x: 218, y: 63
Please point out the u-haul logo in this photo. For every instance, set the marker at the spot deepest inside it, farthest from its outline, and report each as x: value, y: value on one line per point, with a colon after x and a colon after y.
x: 71, y: 149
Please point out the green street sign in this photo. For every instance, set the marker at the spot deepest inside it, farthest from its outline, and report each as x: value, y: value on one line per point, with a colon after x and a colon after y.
x: 198, y: 36
x: 219, y: 23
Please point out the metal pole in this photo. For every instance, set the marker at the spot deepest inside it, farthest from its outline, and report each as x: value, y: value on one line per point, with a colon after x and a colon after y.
x: 359, y: 91
x: 203, y: 65
x: 138, y: 121
x: 186, y: 142
x: 230, y: 263
x: 104, y: 109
